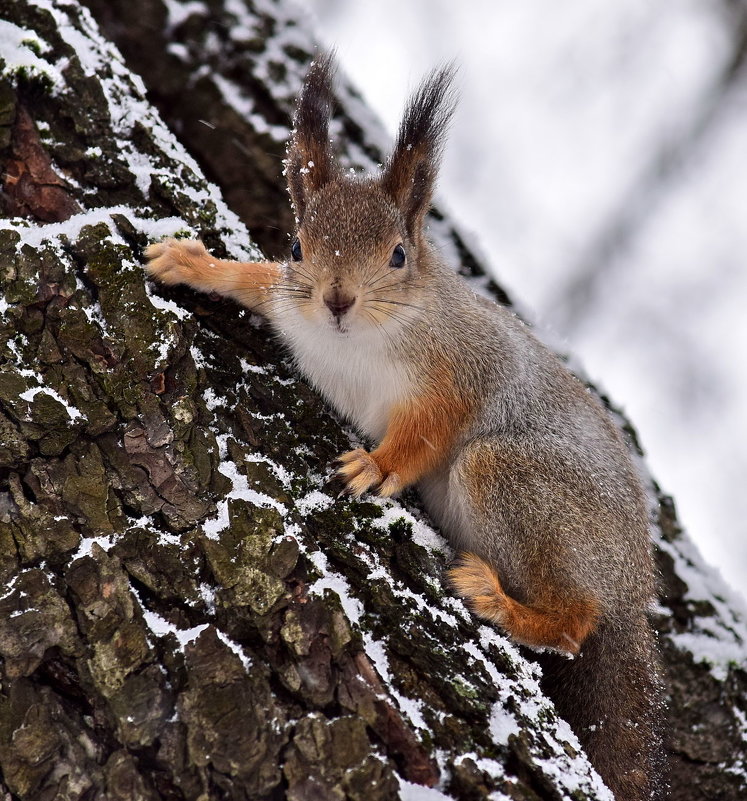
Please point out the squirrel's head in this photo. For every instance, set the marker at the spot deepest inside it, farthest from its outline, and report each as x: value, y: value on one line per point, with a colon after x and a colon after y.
x: 360, y: 254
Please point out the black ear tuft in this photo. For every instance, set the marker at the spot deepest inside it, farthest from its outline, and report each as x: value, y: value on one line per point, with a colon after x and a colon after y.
x: 410, y: 173
x: 309, y: 164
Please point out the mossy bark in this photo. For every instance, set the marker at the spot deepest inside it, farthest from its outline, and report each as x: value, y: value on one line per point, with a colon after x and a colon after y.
x: 188, y: 613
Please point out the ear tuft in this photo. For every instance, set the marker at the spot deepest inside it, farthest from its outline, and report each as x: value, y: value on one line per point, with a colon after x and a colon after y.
x: 309, y: 163
x: 410, y: 174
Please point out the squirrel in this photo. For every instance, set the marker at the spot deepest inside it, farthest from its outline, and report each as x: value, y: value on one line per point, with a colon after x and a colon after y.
x: 516, y: 460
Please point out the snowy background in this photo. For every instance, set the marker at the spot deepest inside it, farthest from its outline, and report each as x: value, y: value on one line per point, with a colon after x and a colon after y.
x: 599, y: 156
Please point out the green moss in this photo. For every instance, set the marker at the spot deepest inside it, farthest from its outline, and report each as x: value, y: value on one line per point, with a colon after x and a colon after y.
x: 37, y: 534
x: 7, y: 113
x: 340, y: 634
x: 133, y: 323
x: 293, y: 635
x: 166, y: 569
x: 23, y: 274
x: 14, y: 448
x: 29, y: 75
x: 86, y: 489
x: 116, y: 657
x: 262, y: 479
x: 464, y: 688
x: 29, y: 738
x: 12, y: 385
x: 252, y: 529
x: 336, y: 758
x: 35, y: 618
x: 239, y: 561
x: 183, y: 413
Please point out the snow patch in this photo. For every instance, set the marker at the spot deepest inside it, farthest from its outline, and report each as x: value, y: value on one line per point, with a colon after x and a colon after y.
x: 178, y: 12
x: 331, y: 580
x: 314, y: 501
x: 240, y: 490
x: 236, y: 648
x: 161, y: 627
x: 86, y: 546
x: 410, y: 707
x: 73, y: 412
x: 422, y: 534
x: 283, y: 475
x: 166, y: 305
x: 417, y: 792
x: 720, y: 640
x: 20, y: 47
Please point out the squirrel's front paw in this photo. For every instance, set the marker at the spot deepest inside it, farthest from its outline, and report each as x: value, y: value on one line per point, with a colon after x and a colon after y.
x: 359, y: 472
x: 175, y: 261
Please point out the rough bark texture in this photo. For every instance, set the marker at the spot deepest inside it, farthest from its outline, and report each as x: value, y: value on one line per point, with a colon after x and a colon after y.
x: 187, y: 614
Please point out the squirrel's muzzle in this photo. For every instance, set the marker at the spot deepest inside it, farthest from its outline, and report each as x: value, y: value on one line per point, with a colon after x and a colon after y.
x: 338, y: 302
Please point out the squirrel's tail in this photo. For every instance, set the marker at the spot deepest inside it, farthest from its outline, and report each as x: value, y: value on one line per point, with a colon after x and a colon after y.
x: 609, y: 693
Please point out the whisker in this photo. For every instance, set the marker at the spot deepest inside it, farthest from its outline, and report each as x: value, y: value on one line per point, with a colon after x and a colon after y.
x: 284, y: 302
x: 288, y: 303
x: 281, y: 298
x: 270, y: 287
x: 368, y: 278
x: 380, y: 327
x: 399, y: 284
x: 392, y: 313
x: 291, y: 289
x: 397, y: 303
x: 284, y: 307
x: 302, y: 273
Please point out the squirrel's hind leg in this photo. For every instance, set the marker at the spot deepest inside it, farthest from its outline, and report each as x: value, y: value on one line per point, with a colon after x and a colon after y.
x: 525, y: 566
x: 561, y: 624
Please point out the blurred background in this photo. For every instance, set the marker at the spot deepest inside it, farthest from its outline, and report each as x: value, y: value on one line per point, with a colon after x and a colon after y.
x: 599, y: 157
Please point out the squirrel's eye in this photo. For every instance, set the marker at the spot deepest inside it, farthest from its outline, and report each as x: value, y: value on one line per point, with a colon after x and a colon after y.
x: 398, y: 257
x: 296, y: 250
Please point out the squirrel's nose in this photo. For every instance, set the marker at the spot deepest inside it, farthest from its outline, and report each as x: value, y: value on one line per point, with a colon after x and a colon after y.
x: 338, y: 303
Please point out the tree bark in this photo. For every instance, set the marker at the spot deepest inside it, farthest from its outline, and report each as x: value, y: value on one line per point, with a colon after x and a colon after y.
x: 188, y: 612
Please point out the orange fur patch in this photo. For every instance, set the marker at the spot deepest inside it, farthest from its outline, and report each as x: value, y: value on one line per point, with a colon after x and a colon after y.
x: 418, y: 439
x: 562, y: 624
x: 187, y: 262
x: 420, y: 435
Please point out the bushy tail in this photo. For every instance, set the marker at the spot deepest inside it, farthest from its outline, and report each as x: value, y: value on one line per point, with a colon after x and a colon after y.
x: 611, y: 694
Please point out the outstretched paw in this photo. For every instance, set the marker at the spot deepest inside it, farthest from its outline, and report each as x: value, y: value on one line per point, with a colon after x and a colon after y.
x: 175, y: 261
x: 359, y: 471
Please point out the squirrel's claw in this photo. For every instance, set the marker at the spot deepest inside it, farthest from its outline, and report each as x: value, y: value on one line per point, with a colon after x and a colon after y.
x: 156, y: 249
x: 391, y: 485
x: 171, y: 261
x: 359, y: 472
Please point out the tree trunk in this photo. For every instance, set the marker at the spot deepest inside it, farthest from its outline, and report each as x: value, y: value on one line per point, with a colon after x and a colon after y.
x: 188, y: 612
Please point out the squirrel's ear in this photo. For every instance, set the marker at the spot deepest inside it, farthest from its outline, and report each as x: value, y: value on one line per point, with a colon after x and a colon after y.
x: 309, y: 164
x: 410, y: 173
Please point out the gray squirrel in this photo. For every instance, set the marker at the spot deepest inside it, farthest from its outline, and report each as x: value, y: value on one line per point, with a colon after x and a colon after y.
x: 516, y: 461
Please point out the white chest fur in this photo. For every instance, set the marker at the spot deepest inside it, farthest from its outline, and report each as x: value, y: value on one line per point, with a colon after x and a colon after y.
x: 354, y: 372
